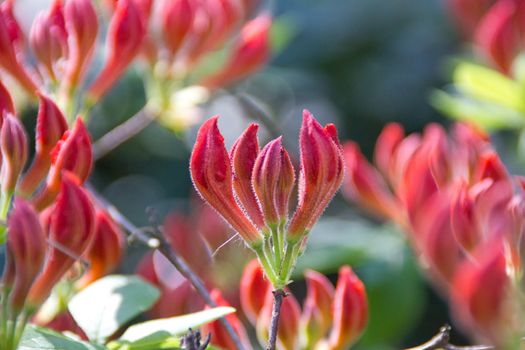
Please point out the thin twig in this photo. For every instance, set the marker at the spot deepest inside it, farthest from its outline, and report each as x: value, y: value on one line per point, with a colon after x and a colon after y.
x: 441, y: 341
x: 161, y: 244
x: 122, y: 133
x: 278, y: 296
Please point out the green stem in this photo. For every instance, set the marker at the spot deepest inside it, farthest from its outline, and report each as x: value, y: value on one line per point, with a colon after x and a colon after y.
x: 277, y: 248
x: 20, y: 329
x: 4, y: 337
x: 5, y: 201
x: 11, y: 333
x: 289, y: 261
x: 267, y: 266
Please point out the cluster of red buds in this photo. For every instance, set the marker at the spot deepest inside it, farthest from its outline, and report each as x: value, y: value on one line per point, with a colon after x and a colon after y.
x: 251, y: 188
x: 331, y: 318
x: 463, y: 213
x: 51, y: 223
x: 496, y: 26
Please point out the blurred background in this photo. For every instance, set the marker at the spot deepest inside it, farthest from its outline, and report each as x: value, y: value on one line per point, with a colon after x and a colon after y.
x: 356, y: 63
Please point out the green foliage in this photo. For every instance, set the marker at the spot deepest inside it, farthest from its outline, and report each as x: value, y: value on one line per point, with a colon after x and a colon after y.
x: 109, y: 303
x: 37, y: 338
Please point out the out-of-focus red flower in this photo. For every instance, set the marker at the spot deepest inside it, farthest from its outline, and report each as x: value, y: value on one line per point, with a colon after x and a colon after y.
x: 13, y: 144
x: 254, y: 289
x: 6, y: 102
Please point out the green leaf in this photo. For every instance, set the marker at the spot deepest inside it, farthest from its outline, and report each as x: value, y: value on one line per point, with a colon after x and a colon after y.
x: 37, y: 338
x: 155, y: 341
x: 109, y: 303
x: 174, y: 325
x: 282, y: 32
x: 489, y: 85
x: 484, y: 114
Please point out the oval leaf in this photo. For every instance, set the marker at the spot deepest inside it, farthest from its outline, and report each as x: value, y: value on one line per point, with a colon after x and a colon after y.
x: 37, y: 338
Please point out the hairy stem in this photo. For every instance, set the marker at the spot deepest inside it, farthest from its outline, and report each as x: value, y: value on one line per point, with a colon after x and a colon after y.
x: 122, y: 133
x: 441, y: 341
x: 278, y: 296
x: 161, y: 244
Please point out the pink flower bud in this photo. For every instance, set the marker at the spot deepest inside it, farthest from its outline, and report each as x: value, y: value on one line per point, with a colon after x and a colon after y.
x: 6, y: 102
x: 219, y: 336
x: 497, y: 35
x: 177, y: 21
x: 125, y: 35
x: 366, y: 186
x: 350, y: 310
x: 316, y: 318
x: 321, y: 174
x: 107, y: 249
x: 211, y: 173
x: 243, y: 155
x: 15, y: 32
x: 249, y: 54
x: 386, y: 143
x: 273, y: 179
x: 82, y: 28
x: 26, y: 244
x: 479, y: 293
x: 288, y: 332
x: 72, y: 229
x: 48, y: 39
x: 11, y: 54
x: 463, y: 219
x: 13, y: 143
x: 50, y: 126
x: 74, y: 154
x: 490, y: 166
x: 254, y: 289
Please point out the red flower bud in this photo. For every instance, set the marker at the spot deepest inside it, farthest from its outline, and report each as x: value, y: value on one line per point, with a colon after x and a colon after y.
x: 350, y: 310
x: 13, y: 143
x: 48, y: 39
x: 219, y: 336
x: 107, y: 249
x: 72, y: 229
x: 211, y: 173
x: 288, y: 332
x: 273, y: 173
x: 26, y: 245
x: 497, y: 35
x: 321, y: 174
x: 177, y: 21
x: 249, y: 54
x: 125, y: 35
x: 15, y: 32
x: 243, y: 155
x: 6, y: 103
x: 82, y: 28
x: 468, y: 13
x: 366, y: 186
x: 490, y: 166
x: 463, y: 219
x: 386, y: 143
x: 479, y: 293
x: 11, y: 54
x: 74, y: 154
x: 50, y: 126
x: 254, y: 289
x: 316, y: 318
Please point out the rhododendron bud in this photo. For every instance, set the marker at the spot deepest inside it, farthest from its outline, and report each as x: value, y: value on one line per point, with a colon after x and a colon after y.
x: 289, y: 320
x: 50, y: 126
x: 82, y: 28
x: 436, y: 141
x: 13, y: 143
x: 350, y: 310
x: 48, y: 39
x: 211, y: 173
x: 316, y: 318
x: 26, y: 244
x: 254, y: 289
x: 243, y: 155
x: 74, y: 154
x: 71, y: 232
x: 321, y: 174
x: 463, y: 218
x: 480, y: 293
x: 497, y: 35
x: 106, y: 251
x: 15, y: 32
x: 177, y: 21
x: 390, y: 137
x: 490, y: 166
x: 249, y: 54
x: 10, y: 56
x: 272, y: 174
x: 365, y: 185
x: 6, y: 102
x: 219, y: 336
x: 125, y: 35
